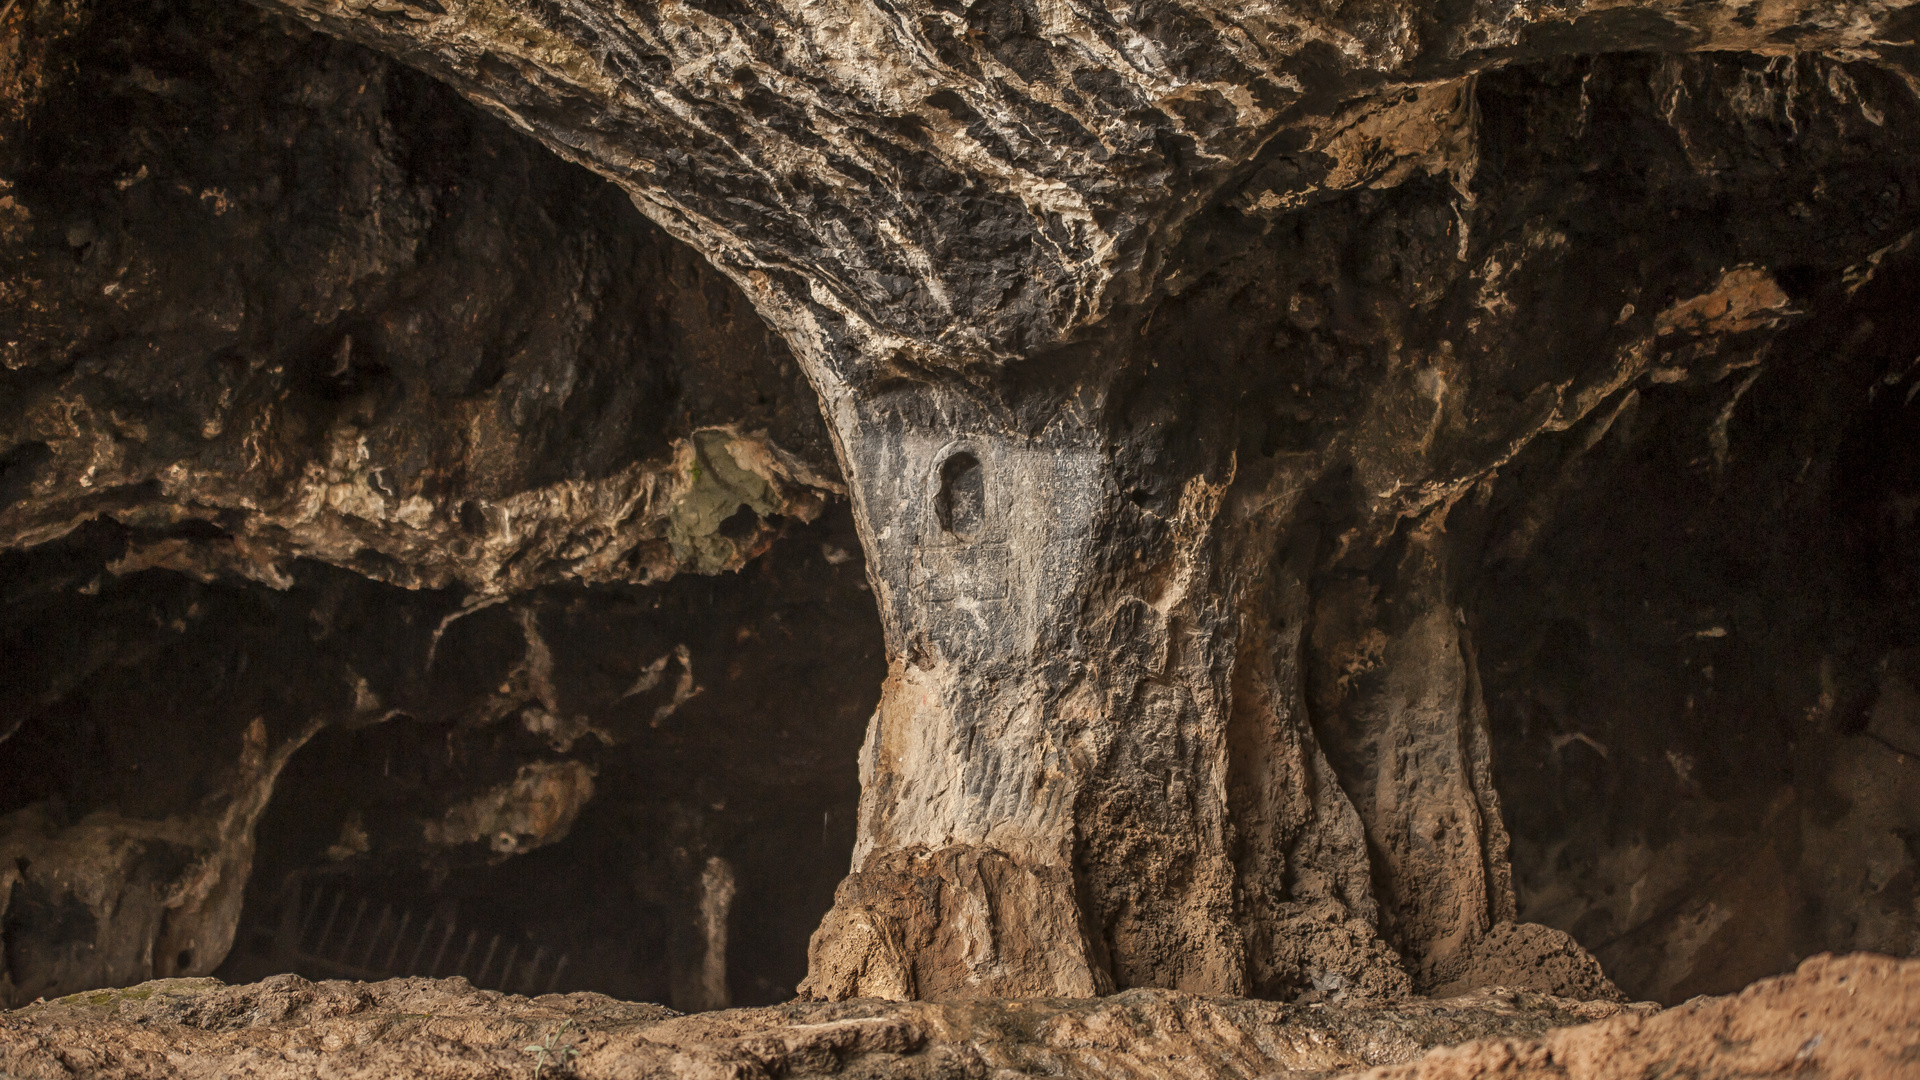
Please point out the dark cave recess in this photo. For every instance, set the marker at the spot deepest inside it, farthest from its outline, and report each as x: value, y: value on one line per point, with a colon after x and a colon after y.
x: 558, y: 776
x: 1697, y: 631
x: 755, y: 767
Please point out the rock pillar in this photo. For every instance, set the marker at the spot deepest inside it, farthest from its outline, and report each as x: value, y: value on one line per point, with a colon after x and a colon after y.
x: 1090, y: 767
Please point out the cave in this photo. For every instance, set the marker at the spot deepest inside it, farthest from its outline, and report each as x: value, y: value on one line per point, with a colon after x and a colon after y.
x: 924, y: 538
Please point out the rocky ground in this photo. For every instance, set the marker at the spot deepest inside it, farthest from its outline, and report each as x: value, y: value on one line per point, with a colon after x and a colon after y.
x: 1850, y: 1016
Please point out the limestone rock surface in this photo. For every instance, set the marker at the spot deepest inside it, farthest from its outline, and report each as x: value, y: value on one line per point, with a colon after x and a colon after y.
x: 313, y: 377
x: 1358, y: 500
x: 307, y: 303
x: 1836, y: 1016
x: 181, y: 1028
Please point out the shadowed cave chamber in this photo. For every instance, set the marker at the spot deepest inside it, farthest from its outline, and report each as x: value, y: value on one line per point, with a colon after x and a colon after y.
x: 398, y: 523
x: 714, y: 720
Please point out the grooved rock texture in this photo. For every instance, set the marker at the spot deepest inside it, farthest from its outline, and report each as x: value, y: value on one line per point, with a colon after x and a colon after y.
x: 951, y: 184
x: 301, y: 297
x: 324, y: 399
x: 1836, y: 1016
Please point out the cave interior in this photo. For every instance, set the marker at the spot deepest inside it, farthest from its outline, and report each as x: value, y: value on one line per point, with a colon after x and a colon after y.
x: 414, y: 559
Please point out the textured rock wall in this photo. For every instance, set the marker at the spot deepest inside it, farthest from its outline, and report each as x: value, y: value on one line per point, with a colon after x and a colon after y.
x: 1287, y: 760
x: 1240, y: 412
x: 303, y: 297
x: 1745, y: 575
x: 922, y: 185
x: 324, y: 399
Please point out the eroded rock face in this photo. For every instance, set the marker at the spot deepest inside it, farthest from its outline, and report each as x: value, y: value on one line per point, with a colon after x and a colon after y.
x: 954, y: 186
x: 560, y: 768
x: 305, y: 298
x: 1744, y: 573
x: 1263, y: 745
x: 314, y: 378
x: 109, y: 897
x: 1221, y: 397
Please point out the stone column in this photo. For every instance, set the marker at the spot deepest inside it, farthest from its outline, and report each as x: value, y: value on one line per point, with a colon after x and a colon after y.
x: 1089, y: 768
